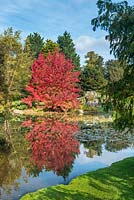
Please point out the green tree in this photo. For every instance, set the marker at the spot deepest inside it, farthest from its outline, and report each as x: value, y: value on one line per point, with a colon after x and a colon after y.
x: 49, y: 46
x: 67, y: 46
x: 120, y: 98
x: 34, y: 44
x: 118, y: 20
x: 14, y: 67
x: 114, y: 70
x: 92, y: 77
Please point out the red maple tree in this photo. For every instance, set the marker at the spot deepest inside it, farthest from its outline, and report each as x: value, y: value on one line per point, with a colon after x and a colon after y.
x: 53, y: 82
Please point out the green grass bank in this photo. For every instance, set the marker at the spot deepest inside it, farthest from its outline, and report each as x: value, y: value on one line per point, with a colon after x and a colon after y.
x: 113, y: 183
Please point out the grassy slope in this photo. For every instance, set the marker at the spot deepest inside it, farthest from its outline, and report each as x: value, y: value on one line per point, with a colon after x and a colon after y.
x: 113, y: 183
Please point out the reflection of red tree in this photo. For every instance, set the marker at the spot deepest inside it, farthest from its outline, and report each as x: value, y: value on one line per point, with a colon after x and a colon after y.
x: 53, y: 144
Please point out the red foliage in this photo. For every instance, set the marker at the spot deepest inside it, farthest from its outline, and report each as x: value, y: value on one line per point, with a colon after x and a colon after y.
x: 53, y: 82
x: 53, y: 144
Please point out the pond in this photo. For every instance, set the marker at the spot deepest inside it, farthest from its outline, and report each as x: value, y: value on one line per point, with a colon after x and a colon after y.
x: 45, y: 152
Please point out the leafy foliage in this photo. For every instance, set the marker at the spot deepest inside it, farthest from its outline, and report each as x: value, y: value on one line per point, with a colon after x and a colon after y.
x: 120, y: 97
x: 118, y: 20
x: 67, y: 46
x: 114, y: 70
x: 14, y: 63
x: 19, y: 105
x: 53, y: 82
x: 119, y: 93
x: 50, y: 46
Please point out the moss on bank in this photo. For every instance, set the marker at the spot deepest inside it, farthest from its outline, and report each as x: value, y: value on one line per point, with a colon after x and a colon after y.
x: 113, y: 183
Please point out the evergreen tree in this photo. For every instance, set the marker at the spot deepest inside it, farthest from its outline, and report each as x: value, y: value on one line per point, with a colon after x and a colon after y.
x: 34, y: 44
x: 67, y: 46
x: 92, y: 77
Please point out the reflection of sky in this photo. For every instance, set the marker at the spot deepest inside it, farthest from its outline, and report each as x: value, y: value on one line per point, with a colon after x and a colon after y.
x: 106, y: 158
x: 82, y: 165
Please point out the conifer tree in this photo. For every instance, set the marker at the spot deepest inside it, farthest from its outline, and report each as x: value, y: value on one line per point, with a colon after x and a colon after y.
x: 67, y: 46
x: 34, y: 44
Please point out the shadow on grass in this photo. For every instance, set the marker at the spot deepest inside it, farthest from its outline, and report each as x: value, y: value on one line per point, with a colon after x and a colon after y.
x: 60, y: 194
x: 116, y: 181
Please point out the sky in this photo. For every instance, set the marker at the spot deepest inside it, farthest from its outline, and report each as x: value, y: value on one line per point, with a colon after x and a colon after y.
x: 52, y: 18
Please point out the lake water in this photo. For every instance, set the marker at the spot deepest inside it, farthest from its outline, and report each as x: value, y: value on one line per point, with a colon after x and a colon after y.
x: 46, y: 152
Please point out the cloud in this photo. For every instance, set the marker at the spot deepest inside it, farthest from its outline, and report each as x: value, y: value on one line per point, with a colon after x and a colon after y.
x: 14, y: 7
x: 87, y: 43
x: 52, y: 18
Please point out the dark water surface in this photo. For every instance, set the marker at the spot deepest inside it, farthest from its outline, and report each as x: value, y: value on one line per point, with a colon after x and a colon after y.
x: 46, y: 152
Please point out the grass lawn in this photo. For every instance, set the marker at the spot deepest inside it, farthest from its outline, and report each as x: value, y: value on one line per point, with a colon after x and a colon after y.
x: 113, y: 183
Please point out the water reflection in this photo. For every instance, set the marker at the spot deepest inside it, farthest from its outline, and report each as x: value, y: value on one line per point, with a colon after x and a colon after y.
x: 93, y: 147
x: 38, y: 148
x: 13, y: 156
x: 10, y: 170
x: 53, y: 145
x: 97, y: 136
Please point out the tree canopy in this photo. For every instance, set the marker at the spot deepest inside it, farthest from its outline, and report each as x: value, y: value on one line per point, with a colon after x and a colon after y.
x: 49, y: 46
x: 67, y: 46
x: 114, y: 70
x: 14, y: 65
x: 92, y: 77
x: 53, y: 82
x: 34, y: 44
x: 118, y: 20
